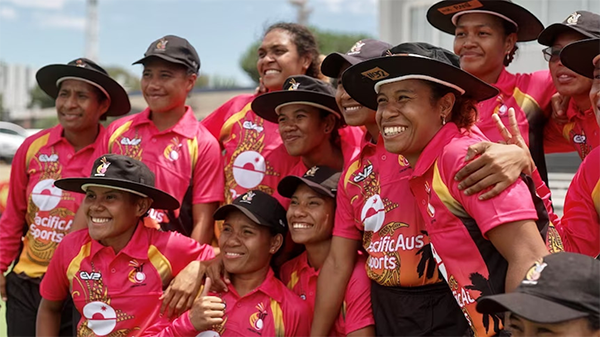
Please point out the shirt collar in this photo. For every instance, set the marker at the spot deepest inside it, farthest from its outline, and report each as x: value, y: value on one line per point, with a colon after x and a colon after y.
x: 56, y: 135
x: 137, y: 247
x: 434, y: 148
x: 505, y: 82
x: 186, y: 126
x: 271, y: 287
x: 573, y: 111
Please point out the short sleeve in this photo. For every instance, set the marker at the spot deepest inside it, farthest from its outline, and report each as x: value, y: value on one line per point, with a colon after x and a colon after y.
x: 181, y: 250
x: 359, y: 313
x: 55, y: 284
x: 345, y: 224
x: 209, y: 179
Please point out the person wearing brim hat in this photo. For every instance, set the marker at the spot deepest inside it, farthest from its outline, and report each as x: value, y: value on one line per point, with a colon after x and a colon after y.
x: 254, y: 227
x: 558, y: 296
x: 576, y: 127
x: 311, y: 218
x: 115, y: 270
x: 168, y: 138
x: 485, y: 36
x: 580, y: 224
x: 426, y: 111
x: 38, y: 215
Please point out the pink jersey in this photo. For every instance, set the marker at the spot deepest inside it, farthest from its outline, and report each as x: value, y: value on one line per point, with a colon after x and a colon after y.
x: 269, y: 310
x: 35, y: 205
x: 254, y: 155
x: 356, y: 313
x: 580, y: 133
x: 118, y: 294
x: 182, y: 156
x: 457, y: 224
x: 375, y: 206
x: 580, y: 224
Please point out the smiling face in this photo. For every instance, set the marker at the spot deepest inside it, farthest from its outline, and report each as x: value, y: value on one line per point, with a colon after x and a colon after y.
x: 481, y: 44
x: 354, y: 113
x: 595, y: 91
x: 79, y: 107
x: 407, y: 117
x: 246, y: 246
x: 310, y: 216
x: 519, y: 326
x: 302, y: 128
x: 278, y: 59
x: 112, y: 215
x: 165, y: 85
x: 566, y: 81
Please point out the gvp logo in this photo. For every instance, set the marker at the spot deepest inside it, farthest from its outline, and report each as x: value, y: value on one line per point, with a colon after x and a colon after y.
x: 94, y: 276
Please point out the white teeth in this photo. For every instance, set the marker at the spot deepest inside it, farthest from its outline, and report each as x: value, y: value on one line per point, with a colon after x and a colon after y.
x: 272, y: 71
x: 298, y: 225
x: 100, y: 220
x: 353, y: 108
x: 393, y: 130
x: 232, y: 254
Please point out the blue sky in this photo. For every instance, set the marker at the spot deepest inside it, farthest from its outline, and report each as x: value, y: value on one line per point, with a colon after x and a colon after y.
x: 40, y: 32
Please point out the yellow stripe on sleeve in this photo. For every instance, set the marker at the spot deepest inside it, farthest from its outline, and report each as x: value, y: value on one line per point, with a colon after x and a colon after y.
x: 226, y: 129
x: 596, y: 197
x: 527, y: 103
x: 355, y: 165
x: 277, y: 318
x: 118, y: 132
x: 443, y: 193
x: 35, y: 147
x: 75, y: 264
x: 293, y: 280
x: 193, y: 148
x: 161, y: 264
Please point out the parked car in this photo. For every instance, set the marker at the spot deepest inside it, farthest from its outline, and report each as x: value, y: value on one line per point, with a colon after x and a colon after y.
x: 11, y: 137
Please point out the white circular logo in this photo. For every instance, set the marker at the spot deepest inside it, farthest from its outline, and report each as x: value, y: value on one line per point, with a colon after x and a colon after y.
x: 101, y: 317
x: 249, y: 169
x: 45, y: 195
x: 208, y: 333
x: 373, y: 222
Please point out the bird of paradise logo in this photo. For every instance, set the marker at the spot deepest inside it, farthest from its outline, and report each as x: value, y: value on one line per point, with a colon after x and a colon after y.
x: 136, y: 275
x: 101, y: 170
x: 257, y: 318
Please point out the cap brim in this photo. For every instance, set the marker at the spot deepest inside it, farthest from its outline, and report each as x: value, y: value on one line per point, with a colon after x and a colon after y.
x: 548, y: 35
x: 265, y: 105
x: 578, y: 56
x: 532, y: 308
x: 362, y: 88
x: 48, y: 76
x: 288, y: 186
x: 333, y: 63
x: 222, y: 212
x: 163, y: 57
x: 161, y: 200
x: 529, y: 25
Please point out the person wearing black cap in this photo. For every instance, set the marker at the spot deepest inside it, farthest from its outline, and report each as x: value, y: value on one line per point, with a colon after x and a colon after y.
x: 167, y: 137
x: 559, y: 296
x: 485, y: 36
x: 311, y: 217
x: 38, y: 215
x: 578, y: 129
x: 115, y: 269
x: 425, y: 107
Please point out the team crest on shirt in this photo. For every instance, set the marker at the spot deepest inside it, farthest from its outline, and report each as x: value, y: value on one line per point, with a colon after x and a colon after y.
x: 579, y: 139
x: 257, y: 318
x: 136, y: 275
x: 131, y: 142
x: 172, y: 151
x: 534, y: 273
x: 248, y: 125
x: 44, y: 158
x: 101, y: 169
x: 362, y: 175
x: 573, y: 18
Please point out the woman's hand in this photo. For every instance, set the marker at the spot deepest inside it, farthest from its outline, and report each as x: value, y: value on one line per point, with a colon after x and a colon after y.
x: 207, y: 311
x: 182, y: 290
x: 560, y: 105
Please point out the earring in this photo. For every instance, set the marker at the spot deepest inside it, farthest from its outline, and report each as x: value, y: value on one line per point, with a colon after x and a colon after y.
x: 443, y: 120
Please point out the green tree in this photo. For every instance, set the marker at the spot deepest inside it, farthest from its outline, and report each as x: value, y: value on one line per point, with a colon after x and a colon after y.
x: 128, y: 80
x: 328, y: 42
x: 39, y: 98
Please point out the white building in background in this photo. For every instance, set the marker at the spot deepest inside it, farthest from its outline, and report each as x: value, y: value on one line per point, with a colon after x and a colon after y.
x: 16, y: 81
x: 405, y: 20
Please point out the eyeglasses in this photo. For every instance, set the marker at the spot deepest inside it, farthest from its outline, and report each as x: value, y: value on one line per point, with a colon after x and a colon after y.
x: 551, y: 54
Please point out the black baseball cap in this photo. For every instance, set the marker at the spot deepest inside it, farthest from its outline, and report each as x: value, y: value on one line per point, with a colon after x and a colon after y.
x: 173, y: 49
x: 321, y: 179
x: 86, y: 70
x: 260, y: 207
x: 361, y: 51
x: 560, y: 287
x: 300, y: 89
x: 581, y: 56
x: 121, y: 173
x: 583, y: 22
x: 444, y: 15
x: 413, y: 60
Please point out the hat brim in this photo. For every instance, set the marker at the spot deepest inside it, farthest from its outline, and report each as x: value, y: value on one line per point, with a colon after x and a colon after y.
x: 578, y: 56
x: 161, y: 200
x: 163, y: 57
x: 532, y: 308
x: 548, y: 35
x: 529, y: 25
x: 362, y: 88
x: 334, y: 62
x: 266, y: 105
x: 288, y: 186
x: 222, y: 212
x: 48, y: 76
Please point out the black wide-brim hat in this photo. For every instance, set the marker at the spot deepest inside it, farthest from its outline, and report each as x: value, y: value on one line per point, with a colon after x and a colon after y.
x: 579, y: 55
x: 83, y: 69
x: 125, y: 174
x: 530, y: 307
x: 441, y: 14
x: 360, y: 80
x: 299, y: 89
x: 582, y: 22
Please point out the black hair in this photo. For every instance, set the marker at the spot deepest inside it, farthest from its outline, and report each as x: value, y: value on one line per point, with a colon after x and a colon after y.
x: 334, y: 138
x: 305, y: 41
x: 593, y: 322
x: 509, y: 28
x: 464, y: 112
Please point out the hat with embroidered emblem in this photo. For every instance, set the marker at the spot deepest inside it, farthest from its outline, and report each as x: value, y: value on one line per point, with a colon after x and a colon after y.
x: 259, y: 207
x: 322, y: 179
x: 174, y: 49
x: 582, y: 22
x: 361, y: 51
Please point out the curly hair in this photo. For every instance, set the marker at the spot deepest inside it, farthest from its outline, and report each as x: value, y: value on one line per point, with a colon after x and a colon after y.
x: 305, y: 41
x: 464, y: 112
